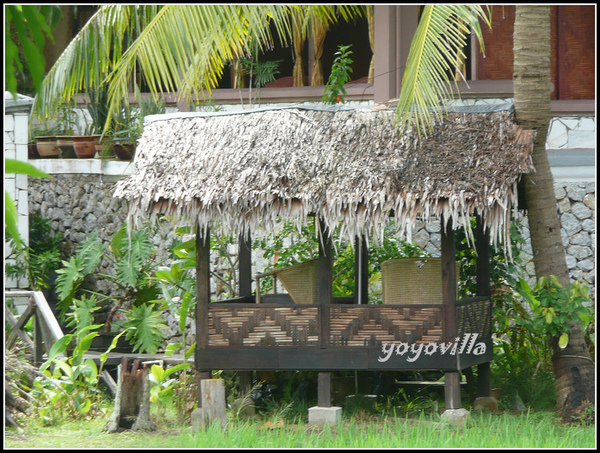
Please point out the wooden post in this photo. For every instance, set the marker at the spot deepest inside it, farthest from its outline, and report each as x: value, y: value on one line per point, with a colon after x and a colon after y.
x: 212, y: 407
x: 452, y: 390
x: 482, y: 245
x: 202, y: 301
x: 132, y: 401
x: 449, y: 281
x: 324, y: 389
x: 245, y: 266
x: 452, y: 377
x: 325, y: 280
x: 361, y: 271
x: 202, y: 287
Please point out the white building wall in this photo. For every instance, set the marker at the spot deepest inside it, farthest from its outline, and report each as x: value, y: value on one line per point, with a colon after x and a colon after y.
x: 16, y: 125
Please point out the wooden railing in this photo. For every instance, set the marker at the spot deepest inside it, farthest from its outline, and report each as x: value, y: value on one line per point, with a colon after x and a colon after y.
x: 46, y: 328
x: 348, y: 325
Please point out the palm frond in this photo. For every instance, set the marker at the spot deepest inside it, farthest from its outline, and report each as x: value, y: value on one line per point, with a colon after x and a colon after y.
x: 175, y: 48
x: 440, y: 38
x: 185, y: 47
x: 90, y: 56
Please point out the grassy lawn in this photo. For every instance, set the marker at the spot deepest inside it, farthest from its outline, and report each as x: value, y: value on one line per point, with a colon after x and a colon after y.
x: 498, y: 430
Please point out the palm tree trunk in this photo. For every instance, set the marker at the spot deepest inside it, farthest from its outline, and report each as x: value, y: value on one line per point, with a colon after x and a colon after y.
x: 573, y: 368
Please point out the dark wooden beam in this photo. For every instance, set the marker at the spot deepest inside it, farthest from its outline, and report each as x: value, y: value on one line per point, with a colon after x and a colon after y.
x: 202, y: 301
x: 244, y: 358
x: 450, y: 330
x: 361, y: 271
x: 449, y: 281
x: 325, y: 280
x: 202, y: 287
x: 245, y: 266
x: 482, y: 247
x: 324, y: 390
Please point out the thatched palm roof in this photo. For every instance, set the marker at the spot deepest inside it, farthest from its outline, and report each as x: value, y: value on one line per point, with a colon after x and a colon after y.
x: 349, y: 166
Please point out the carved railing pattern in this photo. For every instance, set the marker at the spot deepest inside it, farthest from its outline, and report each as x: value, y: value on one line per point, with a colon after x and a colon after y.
x: 263, y: 326
x: 267, y: 325
x: 377, y: 324
x: 474, y: 316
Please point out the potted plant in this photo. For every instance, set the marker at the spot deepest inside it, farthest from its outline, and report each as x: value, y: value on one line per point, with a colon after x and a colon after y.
x: 87, y: 145
x: 44, y: 137
x: 66, y: 123
x: 125, y: 138
x: 129, y: 126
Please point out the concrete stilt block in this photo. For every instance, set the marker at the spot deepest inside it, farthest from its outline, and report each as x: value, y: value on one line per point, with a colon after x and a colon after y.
x: 456, y: 417
x: 319, y: 416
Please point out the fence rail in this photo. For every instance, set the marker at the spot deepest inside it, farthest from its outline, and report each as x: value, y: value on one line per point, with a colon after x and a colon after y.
x: 46, y: 328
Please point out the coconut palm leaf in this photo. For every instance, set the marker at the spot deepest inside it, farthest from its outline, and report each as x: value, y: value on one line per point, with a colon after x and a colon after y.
x: 440, y: 38
x: 175, y: 48
x: 89, y: 58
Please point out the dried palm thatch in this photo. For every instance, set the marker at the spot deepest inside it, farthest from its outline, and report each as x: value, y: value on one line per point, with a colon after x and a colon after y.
x: 351, y: 167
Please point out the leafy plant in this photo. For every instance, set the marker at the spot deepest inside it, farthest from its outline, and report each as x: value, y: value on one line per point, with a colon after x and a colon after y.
x: 69, y: 387
x: 27, y: 28
x: 38, y: 260
x: 260, y: 72
x: 129, y: 124
x: 340, y: 75
x: 81, y: 314
x: 134, y: 261
x: 554, y: 307
x: 162, y: 384
x: 148, y: 328
x: 71, y: 275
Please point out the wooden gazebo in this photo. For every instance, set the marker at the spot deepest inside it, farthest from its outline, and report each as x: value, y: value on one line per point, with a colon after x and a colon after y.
x: 351, y: 168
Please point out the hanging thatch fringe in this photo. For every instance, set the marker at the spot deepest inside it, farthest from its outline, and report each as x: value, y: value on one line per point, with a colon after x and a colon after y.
x: 242, y: 172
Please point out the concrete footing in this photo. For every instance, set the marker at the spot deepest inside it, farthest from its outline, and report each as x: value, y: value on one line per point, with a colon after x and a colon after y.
x: 319, y: 416
x: 456, y: 417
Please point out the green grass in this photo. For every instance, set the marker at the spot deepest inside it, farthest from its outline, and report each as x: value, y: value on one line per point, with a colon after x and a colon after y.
x: 499, y: 430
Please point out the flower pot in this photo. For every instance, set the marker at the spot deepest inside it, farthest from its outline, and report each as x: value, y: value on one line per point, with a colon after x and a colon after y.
x: 65, y: 143
x: 47, y: 147
x: 124, y: 150
x: 102, y: 341
x: 32, y: 152
x: 102, y: 144
x: 85, y: 146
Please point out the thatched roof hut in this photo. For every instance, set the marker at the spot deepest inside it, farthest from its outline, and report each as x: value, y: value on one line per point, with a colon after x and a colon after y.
x: 351, y: 167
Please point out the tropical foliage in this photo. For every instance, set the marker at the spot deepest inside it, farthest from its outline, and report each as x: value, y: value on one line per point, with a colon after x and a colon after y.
x: 438, y: 45
x: 133, y: 259
x: 175, y: 48
x: 26, y: 28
